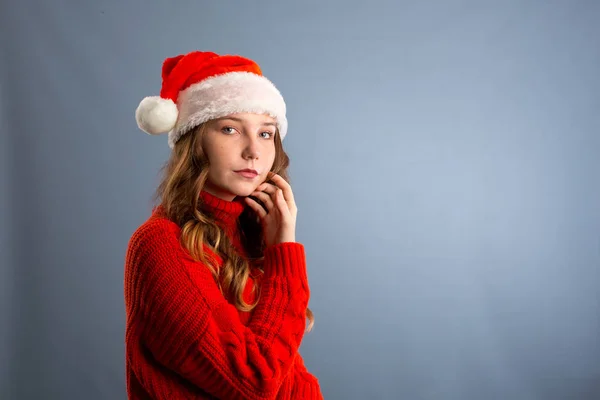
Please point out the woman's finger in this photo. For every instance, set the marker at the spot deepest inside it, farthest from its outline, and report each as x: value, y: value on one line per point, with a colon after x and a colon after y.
x: 265, y: 198
x: 287, y: 190
x: 256, y: 207
x: 267, y: 188
x: 282, y: 205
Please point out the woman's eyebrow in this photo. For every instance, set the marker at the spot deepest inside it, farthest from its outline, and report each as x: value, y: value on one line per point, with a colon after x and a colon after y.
x: 240, y: 120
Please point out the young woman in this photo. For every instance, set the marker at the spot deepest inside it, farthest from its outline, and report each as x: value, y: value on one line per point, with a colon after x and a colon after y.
x: 216, y: 291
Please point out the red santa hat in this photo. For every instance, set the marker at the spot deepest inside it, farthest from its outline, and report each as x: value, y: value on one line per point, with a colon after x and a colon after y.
x: 200, y: 86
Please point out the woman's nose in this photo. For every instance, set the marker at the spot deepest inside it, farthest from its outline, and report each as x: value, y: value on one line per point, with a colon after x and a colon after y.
x: 251, y: 149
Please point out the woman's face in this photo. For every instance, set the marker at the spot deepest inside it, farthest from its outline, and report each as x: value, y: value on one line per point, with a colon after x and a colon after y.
x: 237, y: 142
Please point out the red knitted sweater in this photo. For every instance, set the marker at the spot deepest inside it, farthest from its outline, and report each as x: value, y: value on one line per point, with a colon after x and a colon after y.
x: 184, y: 340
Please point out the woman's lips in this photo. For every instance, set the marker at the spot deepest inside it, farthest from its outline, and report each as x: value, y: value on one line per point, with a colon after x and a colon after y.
x: 247, y: 174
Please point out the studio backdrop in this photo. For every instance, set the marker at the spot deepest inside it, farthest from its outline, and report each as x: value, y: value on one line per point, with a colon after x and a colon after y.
x: 445, y: 159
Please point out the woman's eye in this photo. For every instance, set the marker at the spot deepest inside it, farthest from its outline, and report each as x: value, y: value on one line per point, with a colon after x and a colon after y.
x: 230, y: 130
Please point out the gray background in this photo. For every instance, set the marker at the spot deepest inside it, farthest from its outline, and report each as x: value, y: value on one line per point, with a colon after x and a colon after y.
x: 445, y: 160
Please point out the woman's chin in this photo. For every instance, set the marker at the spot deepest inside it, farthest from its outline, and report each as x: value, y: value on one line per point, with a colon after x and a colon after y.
x: 244, y: 191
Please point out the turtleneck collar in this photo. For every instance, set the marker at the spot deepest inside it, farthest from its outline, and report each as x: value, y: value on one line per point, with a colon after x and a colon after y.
x: 226, y: 212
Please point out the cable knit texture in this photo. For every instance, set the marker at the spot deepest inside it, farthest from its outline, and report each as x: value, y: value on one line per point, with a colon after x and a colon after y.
x: 184, y: 340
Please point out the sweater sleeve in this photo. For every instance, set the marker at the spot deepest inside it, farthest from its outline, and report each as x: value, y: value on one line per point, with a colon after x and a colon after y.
x: 189, y: 327
x: 306, y: 386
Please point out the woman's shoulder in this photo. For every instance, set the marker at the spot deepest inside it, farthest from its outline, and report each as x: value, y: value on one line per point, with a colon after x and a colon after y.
x: 159, y: 235
x: 156, y: 228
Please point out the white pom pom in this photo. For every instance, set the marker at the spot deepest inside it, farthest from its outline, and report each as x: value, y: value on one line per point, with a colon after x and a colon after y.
x: 156, y: 115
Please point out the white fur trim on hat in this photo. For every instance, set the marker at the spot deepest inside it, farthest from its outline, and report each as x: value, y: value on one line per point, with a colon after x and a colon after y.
x: 156, y: 115
x: 226, y: 94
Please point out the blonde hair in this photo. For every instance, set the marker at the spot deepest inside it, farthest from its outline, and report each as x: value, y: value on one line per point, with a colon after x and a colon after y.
x: 183, y: 178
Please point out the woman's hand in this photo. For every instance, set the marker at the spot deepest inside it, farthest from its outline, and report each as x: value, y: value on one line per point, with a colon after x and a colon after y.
x: 278, y: 216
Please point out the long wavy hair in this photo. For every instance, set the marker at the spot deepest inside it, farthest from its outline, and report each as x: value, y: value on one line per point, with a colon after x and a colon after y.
x: 183, y: 178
